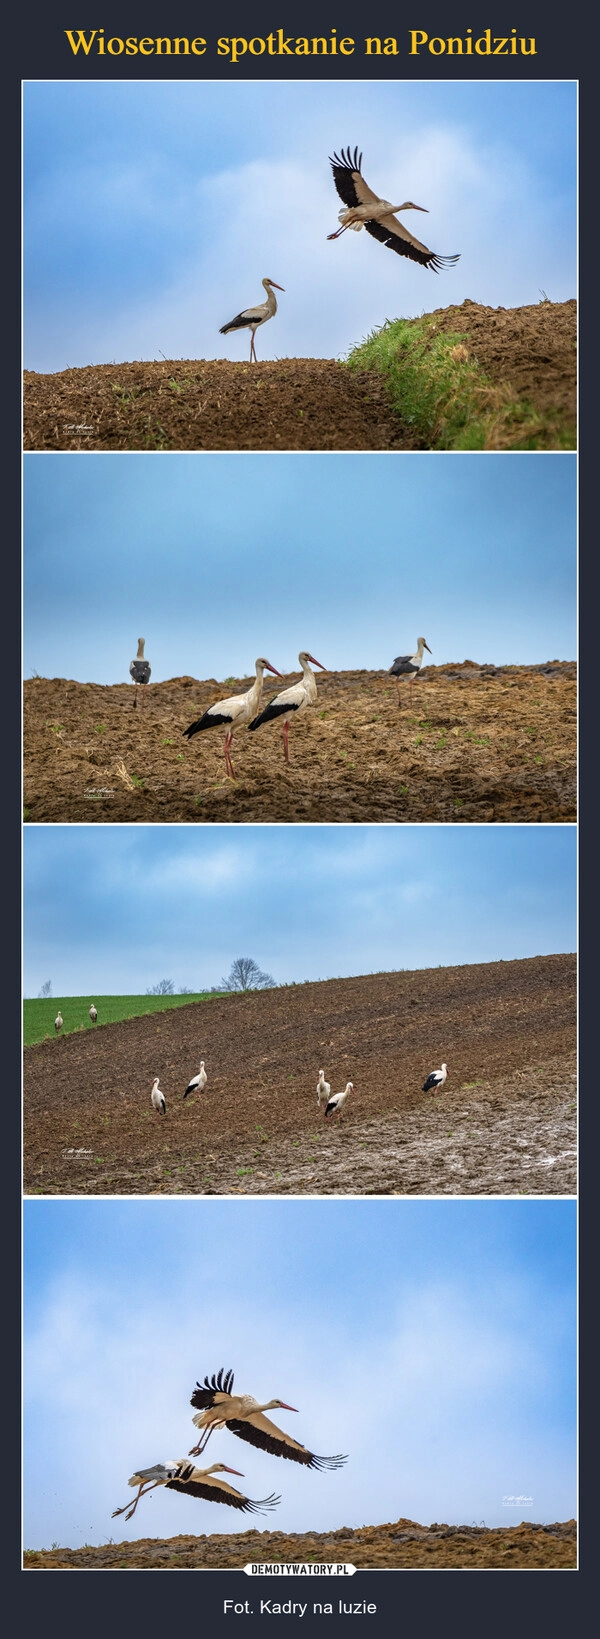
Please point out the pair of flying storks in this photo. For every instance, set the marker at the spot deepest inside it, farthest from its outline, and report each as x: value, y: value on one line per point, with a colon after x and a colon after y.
x: 362, y: 209
x: 218, y: 1407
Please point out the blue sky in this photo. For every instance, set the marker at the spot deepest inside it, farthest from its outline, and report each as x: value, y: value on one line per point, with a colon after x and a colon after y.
x: 216, y: 559
x: 153, y: 211
x: 113, y: 909
x: 445, y: 1368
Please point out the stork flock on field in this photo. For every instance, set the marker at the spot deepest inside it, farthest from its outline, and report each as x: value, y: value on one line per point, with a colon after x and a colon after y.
x: 332, y: 1104
x: 361, y: 209
x: 217, y: 1407
x: 59, y: 1021
x: 244, y: 710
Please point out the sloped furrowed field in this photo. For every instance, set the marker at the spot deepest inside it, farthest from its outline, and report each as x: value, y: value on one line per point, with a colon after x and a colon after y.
x: 504, y: 1123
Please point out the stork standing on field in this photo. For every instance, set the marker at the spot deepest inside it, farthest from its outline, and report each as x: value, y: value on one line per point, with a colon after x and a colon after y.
x: 335, y: 1105
x: 436, y: 1079
x: 179, y: 1475
x: 58, y: 1022
x: 409, y: 665
x: 93, y: 1013
x: 139, y: 670
x: 323, y: 1088
x: 252, y: 317
x: 292, y: 700
x: 236, y: 712
x: 363, y: 208
x: 219, y: 1408
x: 157, y: 1098
x: 197, y: 1083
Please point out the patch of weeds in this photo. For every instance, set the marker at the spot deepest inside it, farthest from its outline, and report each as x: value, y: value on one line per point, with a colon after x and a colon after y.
x: 167, y: 742
x: 419, y: 740
x: 57, y: 728
x: 26, y: 813
x: 241, y: 1171
x: 180, y: 758
x: 138, y: 782
x: 404, y: 790
x: 436, y: 387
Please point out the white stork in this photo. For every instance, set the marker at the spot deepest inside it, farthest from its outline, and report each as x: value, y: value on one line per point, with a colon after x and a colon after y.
x: 363, y: 208
x: 251, y: 317
x: 296, y: 698
x: 323, y: 1088
x: 236, y: 712
x: 409, y: 665
x: 93, y: 1013
x: 179, y: 1475
x: 58, y: 1022
x: 335, y: 1105
x: 219, y: 1408
x: 197, y: 1083
x: 139, y: 670
x: 436, y: 1079
x: 157, y: 1098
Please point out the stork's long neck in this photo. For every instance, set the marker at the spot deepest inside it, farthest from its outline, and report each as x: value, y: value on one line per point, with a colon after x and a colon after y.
x: 141, y: 646
x: 271, y: 299
x: 310, y: 680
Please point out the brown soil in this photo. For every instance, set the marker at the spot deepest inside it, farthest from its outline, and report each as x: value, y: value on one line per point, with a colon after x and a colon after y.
x: 476, y: 743
x: 210, y: 404
x: 289, y: 404
x: 403, y: 1545
x: 533, y: 349
x: 504, y: 1124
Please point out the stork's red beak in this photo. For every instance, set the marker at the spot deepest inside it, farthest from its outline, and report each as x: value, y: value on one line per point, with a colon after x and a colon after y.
x: 282, y: 1402
x: 237, y: 1471
x: 277, y: 287
x: 323, y: 669
x: 428, y: 648
x: 273, y: 669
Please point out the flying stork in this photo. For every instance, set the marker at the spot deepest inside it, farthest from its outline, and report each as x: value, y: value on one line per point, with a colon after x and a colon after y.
x: 363, y: 208
x: 408, y: 665
x: 335, y: 1105
x: 251, y: 317
x: 157, y: 1098
x: 58, y: 1022
x: 93, y: 1013
x: 197, y: 1083
x: 219, y: 1408
x: 436, y: 1079
x: 139, y: 670
x: 236, y: 712
x: 323, y: 1088
x: 179, y: 1475
x: 296, y: 698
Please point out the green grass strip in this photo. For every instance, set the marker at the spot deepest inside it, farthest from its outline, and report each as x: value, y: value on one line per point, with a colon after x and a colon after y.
x: 446, y: 399
x: 39, y: 1015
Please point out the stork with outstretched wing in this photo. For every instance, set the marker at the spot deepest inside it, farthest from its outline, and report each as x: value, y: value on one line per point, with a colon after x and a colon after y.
x: 363, y: 209
x: 218, y: 1407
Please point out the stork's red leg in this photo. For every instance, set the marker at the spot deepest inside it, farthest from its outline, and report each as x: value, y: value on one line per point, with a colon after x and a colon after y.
x: 285, y: 732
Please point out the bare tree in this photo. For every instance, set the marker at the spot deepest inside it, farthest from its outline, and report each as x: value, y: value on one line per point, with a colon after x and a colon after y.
x: 245, y: 974
x: 165, y: 987
x: 46, y: 989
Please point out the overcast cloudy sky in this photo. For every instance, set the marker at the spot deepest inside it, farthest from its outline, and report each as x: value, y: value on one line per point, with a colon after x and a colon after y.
x: 219, y: 558
x: 153, y: 211
x: 112, y: 909
x: 444, y: 1369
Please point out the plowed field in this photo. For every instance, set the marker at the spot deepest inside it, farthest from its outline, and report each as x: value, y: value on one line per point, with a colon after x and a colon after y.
x: 377, y: 1547
x: 291, y: 404
x: 473, y: 743
x: 504, y: 1123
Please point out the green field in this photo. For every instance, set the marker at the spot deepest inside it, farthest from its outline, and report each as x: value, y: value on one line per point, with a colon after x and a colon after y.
x: 39, y: 1015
